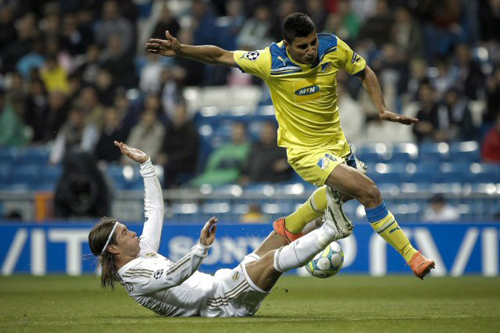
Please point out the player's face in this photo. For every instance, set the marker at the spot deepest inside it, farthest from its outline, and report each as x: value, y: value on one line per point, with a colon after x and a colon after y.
x: 128, y: 242
x: 304, y: 49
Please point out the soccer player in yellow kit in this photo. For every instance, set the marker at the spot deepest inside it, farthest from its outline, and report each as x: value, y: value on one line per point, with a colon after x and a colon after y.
x: 301, y: 72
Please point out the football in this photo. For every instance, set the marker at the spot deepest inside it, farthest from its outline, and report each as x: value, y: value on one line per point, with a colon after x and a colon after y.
x: 328, y: 262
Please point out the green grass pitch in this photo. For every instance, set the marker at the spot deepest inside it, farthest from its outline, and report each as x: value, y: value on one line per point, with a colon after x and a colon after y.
x: 340, y: 304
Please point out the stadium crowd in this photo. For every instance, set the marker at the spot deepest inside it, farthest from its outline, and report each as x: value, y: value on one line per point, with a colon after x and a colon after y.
x: 68, y: 69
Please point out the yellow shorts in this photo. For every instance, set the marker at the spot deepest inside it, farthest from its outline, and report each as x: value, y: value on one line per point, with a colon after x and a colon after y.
x: 314, y: 165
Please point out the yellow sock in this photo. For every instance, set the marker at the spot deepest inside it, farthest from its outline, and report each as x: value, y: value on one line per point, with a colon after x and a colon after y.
x: 311, y: 209
x: 390, y: 231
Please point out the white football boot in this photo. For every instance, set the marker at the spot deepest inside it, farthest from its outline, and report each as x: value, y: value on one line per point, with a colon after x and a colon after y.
x: 335, y: 216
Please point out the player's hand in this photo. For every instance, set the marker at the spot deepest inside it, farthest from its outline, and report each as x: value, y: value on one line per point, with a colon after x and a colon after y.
x: 207, y: 235
x: 133, y: 153
x: 397, y: 118
x: 168, y: 47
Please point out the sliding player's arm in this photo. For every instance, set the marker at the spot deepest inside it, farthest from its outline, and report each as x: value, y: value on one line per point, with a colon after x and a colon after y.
x: 154, y: 207
x: 354, y: 64
x: 149, y: 277
x: 209, y: 54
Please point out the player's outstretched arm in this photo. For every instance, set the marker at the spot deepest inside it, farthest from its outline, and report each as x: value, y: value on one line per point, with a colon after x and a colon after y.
x: 209, y: 54
x: 154, y: 207
x: 372, y: 86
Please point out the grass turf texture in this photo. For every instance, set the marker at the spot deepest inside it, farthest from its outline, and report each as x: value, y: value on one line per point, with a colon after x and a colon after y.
x: 340, y: 304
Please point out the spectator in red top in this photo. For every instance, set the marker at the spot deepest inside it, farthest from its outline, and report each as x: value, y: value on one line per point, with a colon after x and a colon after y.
x: 490, y: 150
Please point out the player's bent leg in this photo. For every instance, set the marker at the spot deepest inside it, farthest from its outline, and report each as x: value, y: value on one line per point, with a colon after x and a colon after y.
x: 350, y: 181
x: 272, y: 242
x: 265, y: 271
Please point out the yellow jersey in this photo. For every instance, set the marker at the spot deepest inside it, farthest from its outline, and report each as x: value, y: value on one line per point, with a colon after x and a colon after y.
x: 305, y: 96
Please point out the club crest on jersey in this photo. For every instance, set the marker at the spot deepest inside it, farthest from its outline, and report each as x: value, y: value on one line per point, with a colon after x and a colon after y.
x: 152, y: 254
x: 236, y: 276
x: 158, y: 274
x: 325, y: 161
x: 252, y: 55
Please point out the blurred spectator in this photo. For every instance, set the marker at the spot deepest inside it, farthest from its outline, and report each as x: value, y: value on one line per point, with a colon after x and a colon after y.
x: 33, y: 60
x: 74, y: 135
x: 462, y: 125
x: 490, y: 150
x: 343, y: 23
x: 81, y: 191
x: 226, y: 162
x: 193, y: 71
x: 147, y: 135
x: 36, y: 110
x: 229, y: 26
x: 266, y: 161
x: 205, y: 31
x: 27, y: 32
x: 89, y: 65
x: 377, y: 27
x: 54, y: 76
x: 170, y: 92
x: 489, y: 20
x: 363, y: 9
x: 281, y: 11
x: 13, y: 132
x: 492, y: 98
x: 446, y: 78
x: 119, y: 63
x: 254, y: 33
x: 167, y: 22
x: 8, y: 32
x: 433, y: 121
x: 113, y: 129
x: 76, y: 38
x: 114, y: 24
x: 105, y: 88
x: 57, y: 115
x: 151, y: 73
x: 93, y: 111
x: 407, y: 35
x: 440, y: 211
x: 254, y: 215
x: 418, y: 75
x: 470, y: 76
x: 181, y: 145
x: 316, y: 11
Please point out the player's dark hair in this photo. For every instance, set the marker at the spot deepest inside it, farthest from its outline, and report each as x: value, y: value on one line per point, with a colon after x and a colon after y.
x: 297, y: 25
x: 97, y: 239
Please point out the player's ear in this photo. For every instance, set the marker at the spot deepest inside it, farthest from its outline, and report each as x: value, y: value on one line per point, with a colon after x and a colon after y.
x: 113, y: 249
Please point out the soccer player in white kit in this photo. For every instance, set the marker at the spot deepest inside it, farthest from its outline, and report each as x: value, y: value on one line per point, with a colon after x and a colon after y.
x: 177, y: 288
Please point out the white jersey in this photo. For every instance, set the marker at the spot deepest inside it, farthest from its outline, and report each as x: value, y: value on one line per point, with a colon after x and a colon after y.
x: 178, y: 289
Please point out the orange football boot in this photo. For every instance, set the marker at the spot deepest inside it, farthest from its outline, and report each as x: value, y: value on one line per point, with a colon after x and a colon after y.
x: 279, y: 227
x: 420, y: 265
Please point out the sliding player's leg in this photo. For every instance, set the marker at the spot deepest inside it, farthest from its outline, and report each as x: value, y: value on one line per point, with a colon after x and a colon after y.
x: 354, y: 183
x: 265, y: 271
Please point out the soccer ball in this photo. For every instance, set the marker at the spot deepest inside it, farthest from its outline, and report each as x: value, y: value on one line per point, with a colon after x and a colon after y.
x: 328, y: 262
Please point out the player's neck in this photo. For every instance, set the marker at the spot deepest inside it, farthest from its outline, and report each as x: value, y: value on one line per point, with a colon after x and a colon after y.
x: 121, y: 260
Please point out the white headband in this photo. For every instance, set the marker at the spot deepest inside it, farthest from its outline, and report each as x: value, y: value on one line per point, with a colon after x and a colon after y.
x: 109, y: 237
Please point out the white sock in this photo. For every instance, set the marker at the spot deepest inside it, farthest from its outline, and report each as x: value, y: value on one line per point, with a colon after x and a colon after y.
x: 300, y: 252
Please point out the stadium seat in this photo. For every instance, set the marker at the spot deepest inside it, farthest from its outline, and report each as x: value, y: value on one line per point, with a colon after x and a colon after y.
x: 404, y: 153
x: 28, y: 175
x: 433, y: 152
x: 9, y: 155
x: 484, y: 173
x: 468, y: 151
x: 39, y: 156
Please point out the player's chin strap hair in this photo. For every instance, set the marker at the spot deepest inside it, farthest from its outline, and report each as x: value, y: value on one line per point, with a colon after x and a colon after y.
x: 109, y: 238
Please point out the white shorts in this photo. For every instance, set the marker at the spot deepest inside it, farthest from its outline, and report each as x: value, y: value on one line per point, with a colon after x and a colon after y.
x: 235, y: 294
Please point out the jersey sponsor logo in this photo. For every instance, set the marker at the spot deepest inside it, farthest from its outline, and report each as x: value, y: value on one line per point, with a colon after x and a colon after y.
x: 331, y: 157
x: 252, y: 55
x: 307, y: 91
x: 158, y: 274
